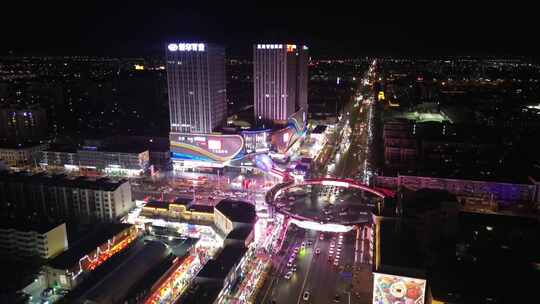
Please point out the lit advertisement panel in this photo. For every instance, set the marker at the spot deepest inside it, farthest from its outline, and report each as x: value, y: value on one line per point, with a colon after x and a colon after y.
x: 392, y: 289
x: 298, y: 120
x: 283, y: 138
x: 212, y: 147
x: 264, y: 162
x: 256, y: 141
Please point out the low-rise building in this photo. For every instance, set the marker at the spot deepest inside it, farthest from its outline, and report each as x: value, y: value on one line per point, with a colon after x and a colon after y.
x: 230, y: 215
x: 180, y: 210
x: 69, y: 269
x: 23, y: 241
x: 23, y: 195
x: 109, y: 160
x: 21, y: 155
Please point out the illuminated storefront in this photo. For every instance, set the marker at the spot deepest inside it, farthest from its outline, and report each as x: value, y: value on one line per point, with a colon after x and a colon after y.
x: 390, y: 289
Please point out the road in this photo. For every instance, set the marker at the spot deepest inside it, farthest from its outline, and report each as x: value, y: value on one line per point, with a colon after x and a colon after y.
x: 316, y: 274
x: 351, y: 280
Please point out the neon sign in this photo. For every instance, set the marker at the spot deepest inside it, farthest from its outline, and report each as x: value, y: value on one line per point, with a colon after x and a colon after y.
x: 189, y: 47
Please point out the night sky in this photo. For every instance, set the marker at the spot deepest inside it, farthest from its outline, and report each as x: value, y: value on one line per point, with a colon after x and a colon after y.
x: 140, y: 29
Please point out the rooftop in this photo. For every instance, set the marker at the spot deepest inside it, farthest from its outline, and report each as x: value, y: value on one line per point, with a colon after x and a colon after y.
x: 201, y: 293
x: 157, y: 204
x: 39, y: 227
x: 116, y: 286
x: 427, y: 199
x: 240, y: 233
x: 201, y: 208
x: 115, y: 148
x: 399, y: 246
x: 237, y: 211
x: 62, y: 180
x: 219, y: 267
x: 69, y: 258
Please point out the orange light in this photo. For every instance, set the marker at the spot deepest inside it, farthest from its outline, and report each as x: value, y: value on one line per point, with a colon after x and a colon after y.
x: 291, y: 48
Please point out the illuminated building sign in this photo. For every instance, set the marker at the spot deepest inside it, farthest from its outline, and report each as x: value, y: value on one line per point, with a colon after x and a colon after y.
x: 381, y: 95
x: 207, y: 147
x: 282, y: 139
x: 291, y: 47
x: 269, y: 46
x: 389, y: 288
x: 182, y: 47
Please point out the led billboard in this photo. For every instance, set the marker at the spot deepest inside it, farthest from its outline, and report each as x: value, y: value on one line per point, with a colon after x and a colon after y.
x: 212, y: 147
x: 394, y: 289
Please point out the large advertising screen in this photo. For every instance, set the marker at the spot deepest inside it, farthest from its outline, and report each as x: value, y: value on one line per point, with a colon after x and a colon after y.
x: 393, y: 289
x: 213, y: 147
x: 283, y: 138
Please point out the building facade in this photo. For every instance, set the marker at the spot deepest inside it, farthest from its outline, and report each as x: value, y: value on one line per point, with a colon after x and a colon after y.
x: 280, y: 80
x: 23, y: 124
x: 108, y: 161
x: 21, y: 155
x: 475, y: 194
x: 24, y: 195
x: 230, y: 215
x: 196, y: 87
x: 71, y: 267
x: 32, y: 241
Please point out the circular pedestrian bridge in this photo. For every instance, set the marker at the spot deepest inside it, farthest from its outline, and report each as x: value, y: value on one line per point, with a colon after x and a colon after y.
x: 325, y: 204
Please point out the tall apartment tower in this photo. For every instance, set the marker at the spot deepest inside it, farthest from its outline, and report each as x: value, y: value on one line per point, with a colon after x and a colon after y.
x: 196, y: 85
x: 280, y: 80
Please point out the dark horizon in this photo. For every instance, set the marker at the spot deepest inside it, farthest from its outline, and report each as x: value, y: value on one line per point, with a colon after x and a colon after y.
x: 117, y: 30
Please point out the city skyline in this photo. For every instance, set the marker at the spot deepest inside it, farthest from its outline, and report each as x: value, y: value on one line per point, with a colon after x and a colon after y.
x: 273, y: 155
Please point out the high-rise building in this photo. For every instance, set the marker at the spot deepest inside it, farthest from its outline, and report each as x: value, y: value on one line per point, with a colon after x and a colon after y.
x: 196, y: 85
x: 280, y: 80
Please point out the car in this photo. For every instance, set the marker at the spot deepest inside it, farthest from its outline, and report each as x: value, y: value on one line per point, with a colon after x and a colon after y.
x: 289, y: 264
x: 294, y: 268
x: 296, y: 249
x: 47, y: 292
x: 331, y: 251
x: 317, y: 251
x: 321, y: 237
x: 309, y: 243
x: 337, y: 299
x: 336, y: 262
x: 288, y: 275
x: 306, y: 295
x: 332, y: 245
x: 303, y: 244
